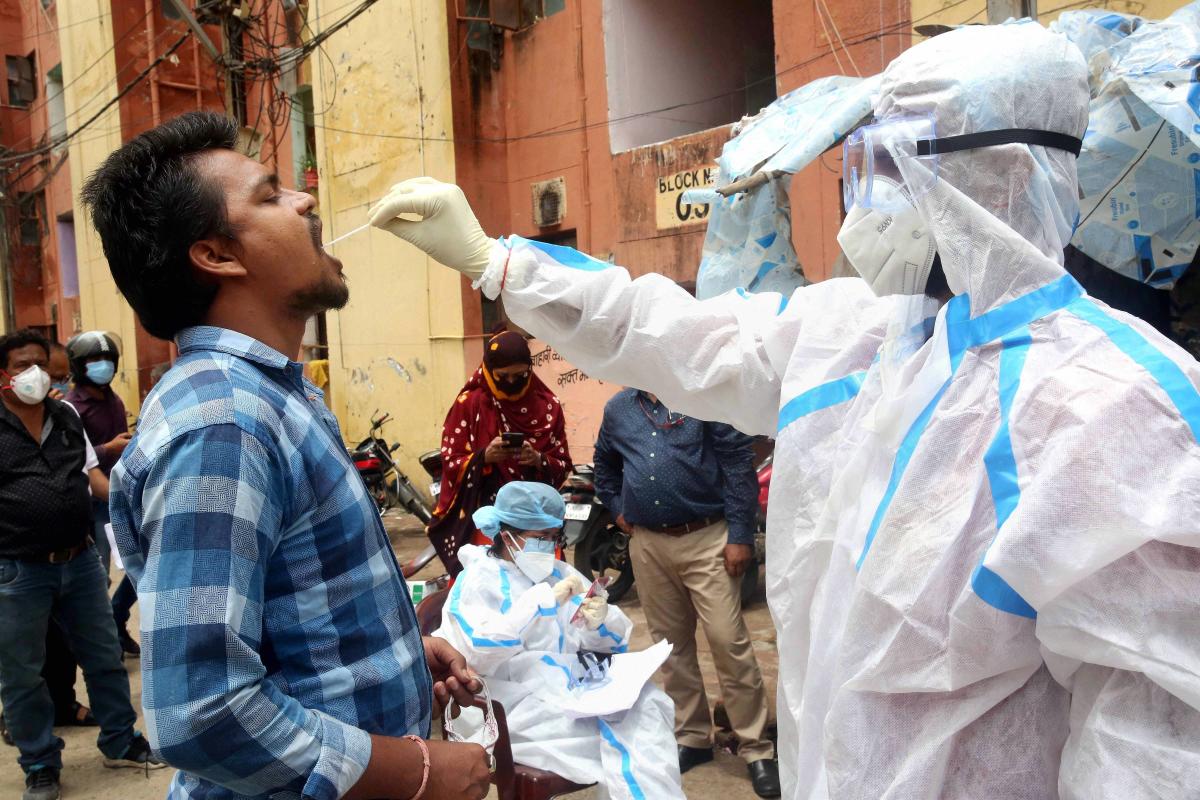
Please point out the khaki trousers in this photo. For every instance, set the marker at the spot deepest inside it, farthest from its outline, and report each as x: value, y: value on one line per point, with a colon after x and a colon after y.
x: 682, y: 579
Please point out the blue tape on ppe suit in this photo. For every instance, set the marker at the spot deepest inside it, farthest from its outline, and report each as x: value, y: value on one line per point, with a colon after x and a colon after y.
x: 553, y: 663
x: 819, y: 397
x: 1001, y: 465
x: 567, y: 256
x: 505, y: 592
x: 1165, y: 372
x: 626, y: 765
x: 963, y: 333
x: 455, y: 595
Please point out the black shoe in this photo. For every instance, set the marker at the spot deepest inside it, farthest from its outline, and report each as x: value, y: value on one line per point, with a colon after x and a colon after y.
x: 693, y: 757
x: 41, y: 784
x: 138, y: 756
x: 129, y: 645
x: 764, y: 775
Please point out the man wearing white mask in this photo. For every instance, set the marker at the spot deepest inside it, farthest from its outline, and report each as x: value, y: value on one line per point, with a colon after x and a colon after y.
x: 982, y: 545
x: 49, y: 565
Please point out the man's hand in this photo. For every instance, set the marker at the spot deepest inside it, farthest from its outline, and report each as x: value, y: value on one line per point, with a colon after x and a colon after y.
x: 56, y: 394
x: 623, y: 525
x: 457, y: 770
x: 117, y: 446
x: 737, y: 558
x: 452, y: 678
x: 530, y: 457
x: 447, y: 229
x: 498, y: 451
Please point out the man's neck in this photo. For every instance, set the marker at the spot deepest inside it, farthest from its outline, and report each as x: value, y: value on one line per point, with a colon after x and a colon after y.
x: 282, y: 333
x: 32, y: 417
x: 96, y: 392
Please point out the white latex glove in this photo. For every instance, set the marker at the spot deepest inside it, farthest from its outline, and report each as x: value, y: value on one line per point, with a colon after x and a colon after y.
x: 568, y: 587
x: 594, y: 611
x: 447, y: 231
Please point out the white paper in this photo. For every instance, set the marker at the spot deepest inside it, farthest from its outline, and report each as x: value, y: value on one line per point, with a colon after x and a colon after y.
x: 112, y: 545
x: 628, y: 673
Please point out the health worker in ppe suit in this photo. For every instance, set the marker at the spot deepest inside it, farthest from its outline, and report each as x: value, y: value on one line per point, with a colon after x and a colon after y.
x: 511, y: 613
x: 983, y: 565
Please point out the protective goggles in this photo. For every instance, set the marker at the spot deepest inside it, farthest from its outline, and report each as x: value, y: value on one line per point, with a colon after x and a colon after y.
x: 879, y: 149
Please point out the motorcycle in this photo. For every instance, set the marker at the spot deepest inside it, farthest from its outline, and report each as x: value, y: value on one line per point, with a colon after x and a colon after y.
x: 388, y: 485
x: 602, y: 548
x: 431, y: 461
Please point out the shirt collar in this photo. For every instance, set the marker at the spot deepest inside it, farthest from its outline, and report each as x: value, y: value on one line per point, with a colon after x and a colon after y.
x: 208, y: 338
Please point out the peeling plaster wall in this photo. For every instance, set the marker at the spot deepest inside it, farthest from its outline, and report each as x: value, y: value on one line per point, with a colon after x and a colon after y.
x: 398, y: 346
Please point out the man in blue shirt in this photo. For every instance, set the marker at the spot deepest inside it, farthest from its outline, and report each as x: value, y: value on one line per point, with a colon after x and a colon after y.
x: 686, y: 493
x: 280, y: 652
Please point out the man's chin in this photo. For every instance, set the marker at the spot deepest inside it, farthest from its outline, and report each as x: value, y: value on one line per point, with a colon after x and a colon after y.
x: 329, y: 295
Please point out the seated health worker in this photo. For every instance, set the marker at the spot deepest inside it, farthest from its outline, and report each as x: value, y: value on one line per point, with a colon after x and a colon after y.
x: 510, y: 614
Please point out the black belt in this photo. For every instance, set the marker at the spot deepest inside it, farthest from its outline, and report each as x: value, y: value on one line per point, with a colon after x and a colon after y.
x: 60, y: 556
x: 685, y: 528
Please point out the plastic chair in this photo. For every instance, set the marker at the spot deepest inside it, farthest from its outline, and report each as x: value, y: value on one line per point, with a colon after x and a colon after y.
x: 513, y: 781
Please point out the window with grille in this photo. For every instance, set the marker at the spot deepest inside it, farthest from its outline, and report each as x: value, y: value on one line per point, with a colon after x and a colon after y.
x: 22, y: 90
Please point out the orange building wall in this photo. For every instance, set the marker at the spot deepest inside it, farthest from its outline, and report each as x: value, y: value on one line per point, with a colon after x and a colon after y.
x: 544, y: 114
x: 37, y: 294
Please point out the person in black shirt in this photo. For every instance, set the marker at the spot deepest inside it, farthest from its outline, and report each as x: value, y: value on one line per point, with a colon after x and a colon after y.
x: 49, y: 567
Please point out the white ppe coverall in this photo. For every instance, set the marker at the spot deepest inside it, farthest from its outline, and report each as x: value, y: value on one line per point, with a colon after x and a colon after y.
x: 982, y: 541
x: 511, y: 632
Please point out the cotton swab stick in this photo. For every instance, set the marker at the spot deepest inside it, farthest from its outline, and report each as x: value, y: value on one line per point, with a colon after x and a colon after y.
x: 346, y: 235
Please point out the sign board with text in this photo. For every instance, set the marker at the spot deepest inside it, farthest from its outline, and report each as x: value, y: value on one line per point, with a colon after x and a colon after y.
x: 670, y: 210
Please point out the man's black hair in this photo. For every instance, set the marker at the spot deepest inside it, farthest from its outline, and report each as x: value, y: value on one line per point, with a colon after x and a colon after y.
x: 149, y: 204
x: 18, y: 339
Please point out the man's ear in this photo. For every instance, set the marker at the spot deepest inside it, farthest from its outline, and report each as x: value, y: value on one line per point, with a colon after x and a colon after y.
x: 217, y: 257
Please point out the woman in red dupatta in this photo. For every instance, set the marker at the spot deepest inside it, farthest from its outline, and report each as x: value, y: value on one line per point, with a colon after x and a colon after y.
x: 503, y: 395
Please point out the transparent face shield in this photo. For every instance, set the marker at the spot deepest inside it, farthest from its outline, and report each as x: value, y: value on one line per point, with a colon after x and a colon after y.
x: 878, y: 150
x: 906, y: 150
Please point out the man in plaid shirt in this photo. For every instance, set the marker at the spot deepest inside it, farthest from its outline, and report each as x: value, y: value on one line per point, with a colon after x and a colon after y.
x: 280, y: 653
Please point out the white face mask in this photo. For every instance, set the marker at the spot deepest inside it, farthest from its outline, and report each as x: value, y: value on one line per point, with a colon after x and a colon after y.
x: 891, y: 250
x: 31, y: 385
x: 533, y: 560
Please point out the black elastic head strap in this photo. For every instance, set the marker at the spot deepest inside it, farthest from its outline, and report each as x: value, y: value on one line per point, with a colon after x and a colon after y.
x: 971, y: 141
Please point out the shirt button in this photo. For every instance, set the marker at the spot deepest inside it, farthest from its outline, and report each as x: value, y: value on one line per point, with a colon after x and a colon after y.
x: 652, y: 455
x: 654, y: 433
x: 651, y: 477
x: 655, y: 502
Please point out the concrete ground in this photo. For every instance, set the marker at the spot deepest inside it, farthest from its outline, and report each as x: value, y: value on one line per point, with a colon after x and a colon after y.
x: 85, y: 778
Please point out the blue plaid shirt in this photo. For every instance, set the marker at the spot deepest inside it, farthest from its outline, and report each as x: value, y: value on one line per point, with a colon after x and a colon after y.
x: 277, y: 632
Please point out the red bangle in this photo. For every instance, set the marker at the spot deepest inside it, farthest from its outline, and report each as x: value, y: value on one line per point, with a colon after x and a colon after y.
x: 425, y: 758
x: 504, y: 277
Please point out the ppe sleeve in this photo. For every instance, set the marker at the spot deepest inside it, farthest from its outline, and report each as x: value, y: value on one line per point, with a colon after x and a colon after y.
x: 489, y: 626
x: 207, y: 518
x: 609, y: 471
x: 720, y: 359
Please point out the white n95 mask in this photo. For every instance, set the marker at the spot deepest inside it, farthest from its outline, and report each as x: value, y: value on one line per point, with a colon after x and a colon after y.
x: 31, y: 385
x: 535, y: 559
x: 892, y: 250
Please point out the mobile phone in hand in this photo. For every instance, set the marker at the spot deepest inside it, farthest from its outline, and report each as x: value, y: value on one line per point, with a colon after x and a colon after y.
x: 513, y: 440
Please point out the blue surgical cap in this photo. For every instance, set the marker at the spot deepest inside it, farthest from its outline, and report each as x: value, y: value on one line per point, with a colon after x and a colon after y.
x: 522, y: 505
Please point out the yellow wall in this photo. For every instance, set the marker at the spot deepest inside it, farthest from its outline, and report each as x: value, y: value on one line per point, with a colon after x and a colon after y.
x: 88, y: 46
x: 397, y: 346
x: 957, y: 12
